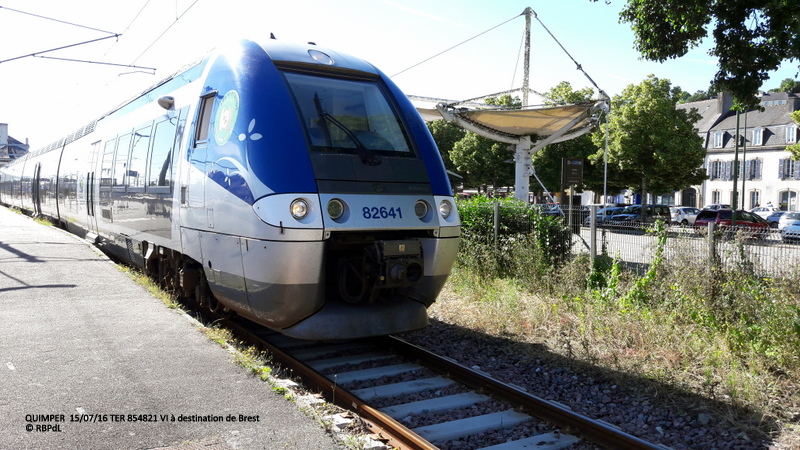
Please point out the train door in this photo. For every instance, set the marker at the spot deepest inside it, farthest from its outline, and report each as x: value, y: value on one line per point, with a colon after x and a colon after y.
x: 91, y: 190
x: 36, y: 193
x: 193, y: 188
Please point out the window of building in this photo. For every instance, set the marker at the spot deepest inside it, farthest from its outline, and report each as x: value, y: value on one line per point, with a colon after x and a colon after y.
x: 758, y: 136
x: 791, y: 133
x: 788, y: 200
x: 788, y: 169
x: 715, y: 197
x: 755, y: 199
x: 752, y: 169
x: 714, y: 170
x: 718, y: 138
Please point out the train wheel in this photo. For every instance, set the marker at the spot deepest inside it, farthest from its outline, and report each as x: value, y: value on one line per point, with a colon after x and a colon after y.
x: 213, y: 304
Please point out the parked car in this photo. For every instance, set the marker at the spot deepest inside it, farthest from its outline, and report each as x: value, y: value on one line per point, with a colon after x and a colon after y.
x: 788, y: 218
x: 774, y: 219
x: 748, y: 222
x: 549, y: 209
x: 632, y: 214
x: 603, y: 215
x: 764, y: 211
x: 715, y: 206
x: 683, y: 215
x: 791, y: 233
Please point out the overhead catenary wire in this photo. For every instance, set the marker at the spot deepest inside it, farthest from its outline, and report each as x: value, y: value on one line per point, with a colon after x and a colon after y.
x: 577, y: 65
x: 96, y: 62
x: 57, y: 20
x: 457, y: 45
x: 60, y: 48
x: 165, y: 31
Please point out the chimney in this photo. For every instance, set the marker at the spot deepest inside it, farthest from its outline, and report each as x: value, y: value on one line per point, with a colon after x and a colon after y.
x: 4, y: 139
x: 724, y: 102
x: 3, y: 134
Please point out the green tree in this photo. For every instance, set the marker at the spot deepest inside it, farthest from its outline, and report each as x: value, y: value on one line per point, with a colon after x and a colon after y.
x: 794, y: 149
x: 787, y: 85
x: 751, y: 38
x: 547, y: 161
x: 685, y: 97
x: 652, y: 139
x: 483, y: 161
x: 446, y: 134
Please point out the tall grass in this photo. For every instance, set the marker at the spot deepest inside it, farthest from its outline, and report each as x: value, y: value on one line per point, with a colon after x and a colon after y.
x: 727, y: 334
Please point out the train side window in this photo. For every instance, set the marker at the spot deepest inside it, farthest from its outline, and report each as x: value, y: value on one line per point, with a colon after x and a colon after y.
x: 204, y: 119
x: 107, y: 163
x: 160, y: 172
x: 135, y: 175
x: 121, y: 161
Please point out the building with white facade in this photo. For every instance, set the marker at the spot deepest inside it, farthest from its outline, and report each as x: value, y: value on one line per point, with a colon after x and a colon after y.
x: 767, y: 174
x: 10, y: 148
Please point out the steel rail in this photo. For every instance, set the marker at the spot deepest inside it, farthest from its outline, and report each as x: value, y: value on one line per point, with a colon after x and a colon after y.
x: 378, y: 422
x: 598, y: 432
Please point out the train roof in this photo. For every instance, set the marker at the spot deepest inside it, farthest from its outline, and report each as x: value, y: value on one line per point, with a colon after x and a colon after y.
x: 282, y: 53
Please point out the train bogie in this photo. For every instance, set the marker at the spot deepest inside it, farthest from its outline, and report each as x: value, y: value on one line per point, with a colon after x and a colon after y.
x: 293, y: 185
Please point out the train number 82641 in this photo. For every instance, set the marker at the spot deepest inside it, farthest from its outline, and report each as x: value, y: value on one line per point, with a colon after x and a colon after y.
x: 381, y: 212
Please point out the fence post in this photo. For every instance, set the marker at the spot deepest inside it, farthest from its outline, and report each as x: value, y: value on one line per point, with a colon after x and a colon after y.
x: 712, y: 252
x: 496, y: 222
x: 593, y: 231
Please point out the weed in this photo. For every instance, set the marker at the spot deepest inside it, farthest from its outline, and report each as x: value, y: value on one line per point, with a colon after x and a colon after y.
x: 728, y: 334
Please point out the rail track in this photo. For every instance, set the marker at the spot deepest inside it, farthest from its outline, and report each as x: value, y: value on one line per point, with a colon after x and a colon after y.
x: 407, y: 395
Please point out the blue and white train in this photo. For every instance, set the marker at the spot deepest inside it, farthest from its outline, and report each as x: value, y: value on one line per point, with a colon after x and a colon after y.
x: 293, y: 185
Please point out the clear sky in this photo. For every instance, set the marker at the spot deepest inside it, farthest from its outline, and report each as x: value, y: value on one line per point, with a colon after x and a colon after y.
x: 44, y: 99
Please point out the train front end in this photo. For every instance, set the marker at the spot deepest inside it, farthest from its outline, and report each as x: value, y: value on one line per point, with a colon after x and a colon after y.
x: 358, y: 227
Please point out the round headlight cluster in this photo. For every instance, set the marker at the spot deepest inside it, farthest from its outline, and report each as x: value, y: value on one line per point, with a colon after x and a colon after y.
x: 421, y: 209
x: 445, y: 208
x: 299, y: 208
x: 336, y: 208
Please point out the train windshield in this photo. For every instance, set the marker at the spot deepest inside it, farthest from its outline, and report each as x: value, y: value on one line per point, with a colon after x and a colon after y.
x: 348, y: 116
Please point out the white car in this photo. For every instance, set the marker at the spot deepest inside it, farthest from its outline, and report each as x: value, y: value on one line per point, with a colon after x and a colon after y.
x: 764, y: 211
x: 683, y: 215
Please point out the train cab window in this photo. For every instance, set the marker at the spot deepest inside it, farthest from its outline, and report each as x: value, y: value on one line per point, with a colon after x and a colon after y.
x: 348, y: 116
x: 204, y: 119
x: 135, y: 176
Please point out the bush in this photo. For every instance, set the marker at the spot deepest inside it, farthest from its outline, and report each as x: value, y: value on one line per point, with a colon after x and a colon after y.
x: 527, y: 241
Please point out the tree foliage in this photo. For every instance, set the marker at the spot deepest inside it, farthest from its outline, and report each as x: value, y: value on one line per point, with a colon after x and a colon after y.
x: 651, y: 141
x: 787, y: 85
x: 446, y: 134
x: 483, y: 161
x: 547, y: 161
x: 794, y: 149
x: 751, y: 37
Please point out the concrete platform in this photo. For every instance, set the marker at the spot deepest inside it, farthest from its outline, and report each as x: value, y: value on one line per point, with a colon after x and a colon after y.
x: 89, y: 359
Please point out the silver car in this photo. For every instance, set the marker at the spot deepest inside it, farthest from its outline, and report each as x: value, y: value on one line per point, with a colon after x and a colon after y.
x: 683, y: 215
x: 789, y: 218
x: 603, y: 215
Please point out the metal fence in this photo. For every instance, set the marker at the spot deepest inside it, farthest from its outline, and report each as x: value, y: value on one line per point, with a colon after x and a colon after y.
x: 758, y: 251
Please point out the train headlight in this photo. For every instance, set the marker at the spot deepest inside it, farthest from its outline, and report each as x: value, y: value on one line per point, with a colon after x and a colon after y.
x: 421, y: 209
x: 335, y: 208
x: 299, y: 208
x: 445, y: 208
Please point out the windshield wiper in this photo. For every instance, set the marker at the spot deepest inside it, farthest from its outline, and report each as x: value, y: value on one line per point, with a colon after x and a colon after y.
x: 366, y: 156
